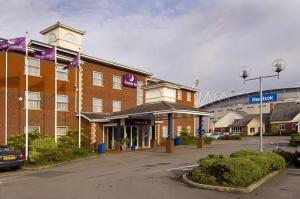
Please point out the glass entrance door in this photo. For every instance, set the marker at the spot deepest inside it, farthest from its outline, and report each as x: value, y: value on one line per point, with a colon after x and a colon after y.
x: 110, y: 138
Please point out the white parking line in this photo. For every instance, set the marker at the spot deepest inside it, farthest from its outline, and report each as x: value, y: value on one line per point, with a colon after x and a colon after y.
x: 183, y: 168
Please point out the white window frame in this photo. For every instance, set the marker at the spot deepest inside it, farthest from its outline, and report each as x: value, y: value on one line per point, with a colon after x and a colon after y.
x: 97, y: 108
x: 164, y: 131
x: 139, y: 93
x: 61, y: 73
x: 62, y: 105
x: 179, y: 128
x: 294, y: 126
x: 188, y: 96
x: 252, y: 129
x: 117, y: 82
x: 280, y: 127
x: 97, y: 78
x: 117, y: 108
x: 179, y: 94
x: 32, y: 127
x: 189, y: 129
x: 32, y: 68
x: 58, y: 134
x: 33, y: 103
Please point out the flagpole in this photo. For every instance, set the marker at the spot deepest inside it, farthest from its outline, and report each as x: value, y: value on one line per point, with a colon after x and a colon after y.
x: 55, y: 97
x: 79, y: 101
x: 26, y: 97
x: 5, y: 125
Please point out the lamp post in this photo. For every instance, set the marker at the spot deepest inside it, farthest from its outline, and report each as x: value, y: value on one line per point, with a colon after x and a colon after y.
x: 278, y: 66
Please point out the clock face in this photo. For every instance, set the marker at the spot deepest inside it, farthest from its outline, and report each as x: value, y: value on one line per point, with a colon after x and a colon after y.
x: 51, y: 38
x: 70, y: 38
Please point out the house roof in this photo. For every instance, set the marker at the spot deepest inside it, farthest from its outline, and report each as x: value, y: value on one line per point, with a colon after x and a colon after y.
x: 285, y: 111
x: 59, y: 24
x: 157, y: 108
x: 245, y: 121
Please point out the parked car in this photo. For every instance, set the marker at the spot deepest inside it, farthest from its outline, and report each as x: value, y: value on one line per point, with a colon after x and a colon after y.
x: 297, y: 157
x: 216, y: 135
x: 10, y: 159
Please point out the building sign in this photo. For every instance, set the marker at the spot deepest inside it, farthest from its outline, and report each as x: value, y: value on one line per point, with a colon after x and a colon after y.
x: 130, y: 80
x: 133, y: 122
x: 271, y: 97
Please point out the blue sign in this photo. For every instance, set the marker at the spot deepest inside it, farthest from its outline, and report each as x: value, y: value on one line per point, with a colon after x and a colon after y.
x: 271, y: 97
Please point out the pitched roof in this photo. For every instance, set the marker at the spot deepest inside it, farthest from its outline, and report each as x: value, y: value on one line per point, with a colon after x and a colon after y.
x: 245, y: 121
x: 144, y: 109
x: 159, y: 107
x: 285, y: 111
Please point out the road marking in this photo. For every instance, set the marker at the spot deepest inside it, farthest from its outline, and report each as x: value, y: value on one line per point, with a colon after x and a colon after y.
x: 182, y: 168
x: 13, y: 173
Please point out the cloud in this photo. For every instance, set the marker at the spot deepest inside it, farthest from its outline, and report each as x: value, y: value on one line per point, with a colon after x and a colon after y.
x: 177, y: 40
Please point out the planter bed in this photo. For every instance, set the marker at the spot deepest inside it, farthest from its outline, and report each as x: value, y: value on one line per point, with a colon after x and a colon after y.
x: 242, y: 172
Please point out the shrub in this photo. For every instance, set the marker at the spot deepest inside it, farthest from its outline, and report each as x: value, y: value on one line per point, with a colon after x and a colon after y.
x: 186, y: 138
x: 16, y: 142
x: 240, y: 169
x: 208, y: 140
x: 45, y: 150
x: 71, y: 139
x: 231, y: 137
x: 295, y: 140
x: 243, y: 153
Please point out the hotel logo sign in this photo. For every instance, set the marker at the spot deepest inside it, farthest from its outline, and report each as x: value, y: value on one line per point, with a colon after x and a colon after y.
x: 130, y: 80
x: 272, y: 97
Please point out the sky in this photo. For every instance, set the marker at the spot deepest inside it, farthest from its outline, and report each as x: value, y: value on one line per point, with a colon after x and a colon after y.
x: 176, y: 40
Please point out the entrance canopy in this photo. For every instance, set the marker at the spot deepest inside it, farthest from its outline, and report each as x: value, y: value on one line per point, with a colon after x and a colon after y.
x: 157, y: 110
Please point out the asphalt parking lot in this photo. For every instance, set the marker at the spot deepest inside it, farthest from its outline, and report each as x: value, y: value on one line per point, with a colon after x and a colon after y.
x: 141, y: 174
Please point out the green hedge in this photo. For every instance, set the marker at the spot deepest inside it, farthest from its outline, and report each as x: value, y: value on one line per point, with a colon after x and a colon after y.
x: 295, y: 140
x: 43, y: 150
x: 239, y: 170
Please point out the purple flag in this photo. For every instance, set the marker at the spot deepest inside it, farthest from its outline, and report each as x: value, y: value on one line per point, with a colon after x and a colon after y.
x: 74, y: 63
x: 47, y: 54
x: 17, y: 44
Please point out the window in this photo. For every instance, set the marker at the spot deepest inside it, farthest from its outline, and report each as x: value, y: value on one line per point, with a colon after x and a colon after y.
x: 294, y: 126
x: 236, y: 129
x: 61, y: 130
x: 252, y: 130
x: 62, y: 74
x: 97, y: 78
x: 281, y: 127
x: 116, y: 82
x: 116, y: 105
x: 179, y: 94
x: 188, y: 96
x: 62, y: 102
x: 33, y: 67
x: 165, y: 131
x: 188, y: 128
x: 97, y: 105
x: 179, y: 130
x: 140, y: 93
x: 34, y: 100
x: 32, y: 129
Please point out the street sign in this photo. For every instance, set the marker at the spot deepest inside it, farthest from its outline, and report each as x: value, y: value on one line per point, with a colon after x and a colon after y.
x: 270, y: 97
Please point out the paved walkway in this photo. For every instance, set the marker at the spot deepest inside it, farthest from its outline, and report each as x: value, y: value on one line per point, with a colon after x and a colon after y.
x: 140, y: 174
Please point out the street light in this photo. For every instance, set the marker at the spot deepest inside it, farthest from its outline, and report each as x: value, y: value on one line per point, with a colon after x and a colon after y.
x: 278, y: 66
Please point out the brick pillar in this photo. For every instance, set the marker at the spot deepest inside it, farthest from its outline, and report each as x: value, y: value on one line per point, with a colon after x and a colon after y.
x: 93, y: 136
x: 153, y: 141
